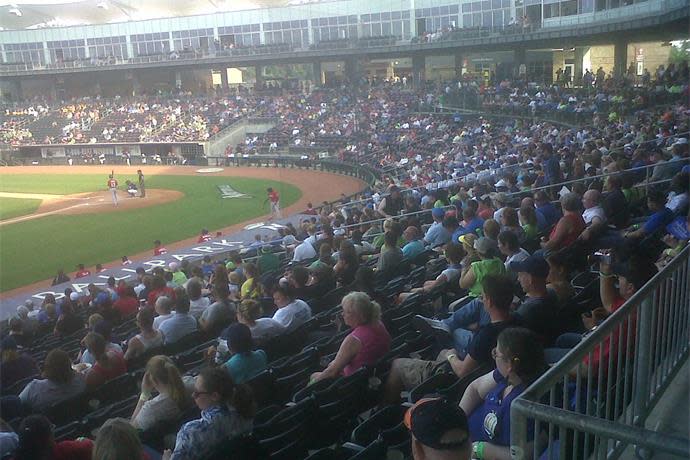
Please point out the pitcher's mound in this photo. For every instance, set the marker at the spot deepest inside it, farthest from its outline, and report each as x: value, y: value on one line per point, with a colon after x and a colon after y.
x: 101, y: 201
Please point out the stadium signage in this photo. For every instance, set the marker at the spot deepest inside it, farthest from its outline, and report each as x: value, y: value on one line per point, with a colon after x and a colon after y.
x: 227, y: 191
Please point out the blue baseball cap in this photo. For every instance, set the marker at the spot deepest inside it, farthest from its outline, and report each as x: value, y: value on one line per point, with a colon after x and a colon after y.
x: 534, y: 265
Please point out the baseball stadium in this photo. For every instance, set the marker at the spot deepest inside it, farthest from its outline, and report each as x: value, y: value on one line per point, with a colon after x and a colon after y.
x: 344, y: 230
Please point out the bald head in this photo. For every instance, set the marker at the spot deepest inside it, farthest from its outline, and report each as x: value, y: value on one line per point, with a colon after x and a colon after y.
x: 591, y: 199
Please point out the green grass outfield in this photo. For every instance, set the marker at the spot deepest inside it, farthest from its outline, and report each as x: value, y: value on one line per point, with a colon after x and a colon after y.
x: 15, y: 207
x: 33, y: 250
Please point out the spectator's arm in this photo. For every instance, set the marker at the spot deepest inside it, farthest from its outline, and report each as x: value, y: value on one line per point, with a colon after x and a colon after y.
x: 468, y: 279
x: 476, y: 392
x: 133, y: 348
x: 562, y: 228
x: 380, y: 208
x: 348, y: 350
x: 462, y: 367
x: 607, y: 286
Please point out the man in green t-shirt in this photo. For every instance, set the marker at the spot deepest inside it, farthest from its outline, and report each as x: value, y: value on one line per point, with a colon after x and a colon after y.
x: 471, y: 316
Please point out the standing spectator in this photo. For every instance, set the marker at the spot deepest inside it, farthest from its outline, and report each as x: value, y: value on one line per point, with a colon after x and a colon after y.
x: 227, y: 410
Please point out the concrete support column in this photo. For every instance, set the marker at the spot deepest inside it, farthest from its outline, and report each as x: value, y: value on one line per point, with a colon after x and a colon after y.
x: 579, y: 68
x: 352, y: 69
x: 520, y: 62
x: 178, y: 79
x: 259, y: 76
x: 318, y: 73
x: 418, y: 69
x: 620, y: 57
x: 459, y: 58
x: 224, y: 83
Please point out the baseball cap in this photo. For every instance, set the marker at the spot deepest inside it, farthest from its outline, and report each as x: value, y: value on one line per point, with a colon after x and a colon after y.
x: 438, y: 212
x: 484, y: 245
x: 74, y: 296
x: 468, y: 239
x: 637, y: 270
x: 430, y: 419
x: 534, y: 265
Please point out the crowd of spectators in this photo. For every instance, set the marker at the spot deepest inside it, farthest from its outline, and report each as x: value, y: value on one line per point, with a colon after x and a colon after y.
x: 458, y: 261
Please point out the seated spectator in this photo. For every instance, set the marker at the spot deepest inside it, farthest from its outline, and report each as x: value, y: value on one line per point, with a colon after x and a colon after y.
x: 559, y: 278
x: 347, y: 265
x: 68, y: 322
x: 180, y: 324
x: 244, y: 362
x: 539, y: 310
x: 437, y: 234
x: 100, y: 327
x: 368, y: 342
x: 491, y: 229
x: 262, y: 329
x: 37, y: 441
x: 162, y: 376
x: 487, y: 264
x: 297, y: 278
x: 291, y: 312
x: 408, y: 373
x: 439, y: 430
x: 15, y: 365
x: 178, y: 276
x: 117, y: 438
x: 59, y: 382
x: 568, y: 228
x: 321, y: 281
x: 127, y: 304
x: 593, y: 214
x: 227, y: 410
x: 471, y: 223
x: 8, y: 440
x: 519, y: 361
x: 547, y: 209
x: 148, y: 337
x: 449, y: 276
x: 197, y: 302
x: 325, y: 257
x: 221, y: 312
x: 163, y: 306
x: 661, y: 216
x: 510, y: 222
x: 108, y: 364
x: 391, y: 255
x: 21, y: 338
x: 304, y: 251
x: 251, y: 288
x: 677, y: 198
x: 414, y: 246
x: 509, y: 246
x: 615, y: 204
x: 527, y: 216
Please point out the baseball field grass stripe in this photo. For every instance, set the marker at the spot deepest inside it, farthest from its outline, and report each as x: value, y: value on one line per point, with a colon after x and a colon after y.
x: 15, y: 207
x: 33, y: 250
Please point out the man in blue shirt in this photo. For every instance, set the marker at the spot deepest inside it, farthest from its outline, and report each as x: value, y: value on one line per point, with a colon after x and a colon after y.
x: 437, y: 235
x: 661, y: 216
x: 414, y: 246
x: 547, y: 209
x: 180, y: 324
x: 470, y: 224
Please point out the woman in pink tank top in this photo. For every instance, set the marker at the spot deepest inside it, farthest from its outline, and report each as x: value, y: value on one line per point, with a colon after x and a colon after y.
x: 569, y: 227
x: 368, y: 342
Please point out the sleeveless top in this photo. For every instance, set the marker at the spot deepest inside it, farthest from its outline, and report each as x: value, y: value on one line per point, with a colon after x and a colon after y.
x: 577, y: 226
x: 376, y: 342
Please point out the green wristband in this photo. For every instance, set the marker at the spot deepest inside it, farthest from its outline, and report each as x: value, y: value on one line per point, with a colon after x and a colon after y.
x: 479, y: 450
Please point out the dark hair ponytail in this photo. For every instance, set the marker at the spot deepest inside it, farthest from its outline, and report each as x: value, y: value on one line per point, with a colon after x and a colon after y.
x: 216, y: 380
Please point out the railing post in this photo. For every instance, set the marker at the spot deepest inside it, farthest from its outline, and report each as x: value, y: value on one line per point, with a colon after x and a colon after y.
x: 644, y: 348
x: 518, y: 430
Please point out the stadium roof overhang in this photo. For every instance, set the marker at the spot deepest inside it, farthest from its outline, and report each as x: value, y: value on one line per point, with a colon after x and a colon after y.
x: 16, y: 15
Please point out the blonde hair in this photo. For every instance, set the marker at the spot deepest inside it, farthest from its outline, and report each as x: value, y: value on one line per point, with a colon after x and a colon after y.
x: 368, y: 310
x: 162, y: 370
x: 250, y: 309
x: 117, y: 439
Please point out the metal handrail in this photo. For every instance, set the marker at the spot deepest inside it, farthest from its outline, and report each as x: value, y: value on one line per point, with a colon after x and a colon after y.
x: 663, y: 301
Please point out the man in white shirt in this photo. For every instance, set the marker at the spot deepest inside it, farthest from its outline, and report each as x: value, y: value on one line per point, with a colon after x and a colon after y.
x: 291, y: 313
x: 593, y: 214
x: 163, y: 308
x: 509, y: 246
x: 304, y: 251
x: 181, y: 323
